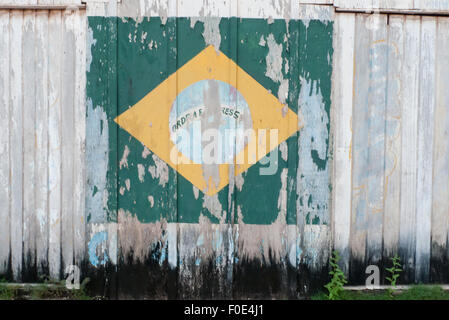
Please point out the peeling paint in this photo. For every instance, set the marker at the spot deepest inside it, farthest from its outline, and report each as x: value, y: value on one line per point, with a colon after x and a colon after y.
x: 141, y: 172
x: 124, y: 160
x: 159, y: 170
x: 313, y: 171
x: 211, y: 31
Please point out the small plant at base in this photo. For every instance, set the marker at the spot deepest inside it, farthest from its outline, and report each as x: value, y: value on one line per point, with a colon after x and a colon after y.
x: 395, y: 272
x: 335, y: 286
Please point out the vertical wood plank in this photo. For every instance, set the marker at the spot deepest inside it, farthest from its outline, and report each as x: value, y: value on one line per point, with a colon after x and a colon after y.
x: 425, y: 147
x: 68, y: 53
x: 392, y: 190
x: 42, y: 186
x: 342, y: 106
x: 440, y: 196
x: 29, y: 135
x: 16, y: 20
x: 376, y: 132
x: 54, y: 141
x: 313, y: 174
x: 5, y: 149
x: 79, y: 217
x: 410, y: 85
x: 360, y: 154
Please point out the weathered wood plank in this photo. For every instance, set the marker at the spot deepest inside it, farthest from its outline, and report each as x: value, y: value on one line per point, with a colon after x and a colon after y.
x: 29, y: 134
x: 396, y: 4
x: 102, y: 234
x: 409, y: 95
x: 440, y: 190
x: 316, y: 1
x: 342, y: 106
x: 54, y: 141
x: 376, y: 132
x: 360, y: 147
x: 425, y: 147
x: 393, y: 116
x: 68, y: 69
x: 42, y: 139
x: 431, y: 4
x: 16, y: 140
x: 18, y: 2
x: 354, y: 4
x: 79, y: 216
x: 5, y: 184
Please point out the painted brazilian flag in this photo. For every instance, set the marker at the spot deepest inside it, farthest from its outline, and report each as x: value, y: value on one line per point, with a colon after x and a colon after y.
x: 164, y: 94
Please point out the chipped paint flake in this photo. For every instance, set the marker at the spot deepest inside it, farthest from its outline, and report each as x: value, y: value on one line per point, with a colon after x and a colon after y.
x: 124, y: 160
x: 141, y: 172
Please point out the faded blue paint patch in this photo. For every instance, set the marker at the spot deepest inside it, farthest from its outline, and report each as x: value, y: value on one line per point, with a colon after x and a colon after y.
x: 313, y: 172
x: 96, y: 240
x: 97, y: 163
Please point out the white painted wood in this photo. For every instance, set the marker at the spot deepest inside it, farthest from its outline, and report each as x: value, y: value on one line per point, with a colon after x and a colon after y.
x: 79, y: 216
x: 45, y: 2
x: 54, y: 141
x: 67, y: 136
x: 409, y: 94
x: 316, y: 1
x: 342, y: 105
x: 425, y: 146
x: 392, y: 189
x: 18, y: 2
x: 42, y: 102
x: 313, y: 12
x: 39, y: 2
x: 354, y: 4
x: 431, y: 4
x: 5, y: 184
x: 16, y: 140
x: 29, y: 135
x: 440, y: 191
x: 186, y: 8
x: 396, y: 4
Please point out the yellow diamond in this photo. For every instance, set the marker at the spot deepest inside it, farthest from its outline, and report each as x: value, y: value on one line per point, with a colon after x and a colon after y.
x: 148, y: 120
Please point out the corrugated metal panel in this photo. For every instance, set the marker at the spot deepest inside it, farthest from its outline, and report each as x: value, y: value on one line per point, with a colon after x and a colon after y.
x: 391, y: 130
x: 42, y: 89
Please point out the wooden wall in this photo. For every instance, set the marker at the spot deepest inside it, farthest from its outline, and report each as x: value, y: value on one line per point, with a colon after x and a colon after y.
x: 388, y: 150
x: 391, y: 127
x: 42, y: 173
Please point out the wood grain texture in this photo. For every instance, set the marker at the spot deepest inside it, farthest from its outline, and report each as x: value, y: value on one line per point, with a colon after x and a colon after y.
x: 342, y: 100
x: 393, y: 117
x: 54, y: 142
x: 29, y: 130
x: 360, y: 138
x: 440, y: 188
x: 425, y: 147
x: 42, y: 102
x: 79, y: 214
x: 375, y: 187
x: 68, y: 70
x: 5, y: 184
x: 410, y: 85
x: 16, y: 140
